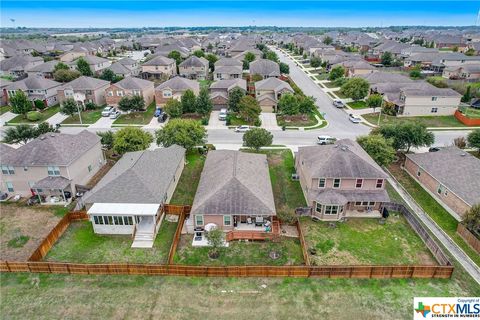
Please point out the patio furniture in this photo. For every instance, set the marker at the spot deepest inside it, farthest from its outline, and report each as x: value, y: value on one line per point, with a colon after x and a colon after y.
x: 249, y: 220
x: 258, y: 221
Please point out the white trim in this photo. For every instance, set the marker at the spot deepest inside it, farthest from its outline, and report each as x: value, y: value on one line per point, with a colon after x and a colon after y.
x: 133, y: 209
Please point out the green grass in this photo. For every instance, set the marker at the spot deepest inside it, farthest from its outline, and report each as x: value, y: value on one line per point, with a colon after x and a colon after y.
x: 5, y: 109
x: 45, y: 114
x: 357, y: 105
x: 80, y: 244
x: 18, y: 242
x: 297, y: 121
x: 471, y: 112
x: 429, y: 121
x: 322, y: 76
x: 242, y: 253
x: 329, y: 84
x: 365, y: 241
x: 188, y: 183
x: 139, y: 117
x: 434, y: 210
x: 205, y: 83
x: 340, y: 94
x: 88, y: 117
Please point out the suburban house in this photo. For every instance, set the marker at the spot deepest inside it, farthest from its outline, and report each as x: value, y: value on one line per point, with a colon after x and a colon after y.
x: 241, y: 56
x: 266, y: 68
x: 227, y: 68
x: 356, y: 67
x: 51, y: 166
x: 83, y: 90
x: 17, y: 66
x: 72, y: 55
x: 96, y: 64
x: 130, y: 86
x: 35, y: 88
x: 220, y: 90
x: 341, y: 181
x: 125, y: 67
x: 128, y: 199
x: 469, y: 72
x: 3, y: 94
x: 159, y: 67
x: 234, y: 193
x: 44, y: 70
x: 174, y: 89
x: 451, y: 176
x: 194, y: 68
x: 269, y: 91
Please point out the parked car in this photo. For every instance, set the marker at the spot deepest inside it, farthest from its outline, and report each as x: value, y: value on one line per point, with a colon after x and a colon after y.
x: 434, y: 149
x: 242, y: 128
x: 354, y: 119
x: 3, y: 196
x: 323, y: 140
x: 162, y: 117
x: 106, y: 111
x: 158, y: 112
x: 115, y: 114
x: 223, y: 115
x: 338, y: 103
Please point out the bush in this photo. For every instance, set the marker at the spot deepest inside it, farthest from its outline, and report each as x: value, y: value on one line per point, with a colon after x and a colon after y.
x: 339, y: 82
x: 34, y: 116
x: 90, y: 106
x: 205, y: 121
x: 257, y: 122
x: 287, y: 217
x: 39, y: 104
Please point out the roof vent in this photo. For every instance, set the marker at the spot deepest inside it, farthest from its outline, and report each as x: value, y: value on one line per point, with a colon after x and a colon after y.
x: 52, y: 135
x: 344, y: 148
x: 463, y: 154
x: 335, y: 146
x: 42, y: 138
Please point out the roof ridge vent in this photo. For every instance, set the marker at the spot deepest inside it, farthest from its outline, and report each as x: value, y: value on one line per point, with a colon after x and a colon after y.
x: 234, y: 164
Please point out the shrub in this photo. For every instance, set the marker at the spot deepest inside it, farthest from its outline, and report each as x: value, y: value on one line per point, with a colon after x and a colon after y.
x: 34, y: 116
x: 257, y: 122
x: 90, y: 106
x: 39, y: 104
x: 205, y: 121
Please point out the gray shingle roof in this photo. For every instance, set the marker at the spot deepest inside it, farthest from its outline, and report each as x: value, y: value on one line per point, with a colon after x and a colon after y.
x: 58, y: 149
x: 234, y: 182
x: 52, y: 183
x: 272, y: 84
x: 48, y: 66
x: 134, y: 83
x: 85, y: 83
x: 119, y: 68
x: 139, y: 177
x: 228, y: 62
x: 179, y: 84
x: 159, y: 61
x: 194, y: 61
x: 33, y: 83
x: 229, y: 84
x: 456, y: 169
x: 265, y: 67
x: 18, y: 63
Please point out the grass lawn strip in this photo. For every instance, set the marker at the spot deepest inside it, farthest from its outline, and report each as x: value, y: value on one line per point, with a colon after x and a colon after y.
x: 429, y: 121
x: 44, y: 115
x: 188, y: 183
x: 357, y: 105
x: 5, y: 109
x: 88, y: 117
x: 138, y: 117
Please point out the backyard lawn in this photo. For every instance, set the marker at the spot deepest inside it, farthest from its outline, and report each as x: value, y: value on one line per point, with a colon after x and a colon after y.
x: 241, y: 253
x: 357, y: 105
x: 138, y: 117
x: 365, y: 241
x: 81, y: 245
x: 188, y: 183
x: 45, y: 114
x: 88, y: 117
x: 4, y: 109
x: 433, y: 209
x: 205, y: 83
x: 429, y: 121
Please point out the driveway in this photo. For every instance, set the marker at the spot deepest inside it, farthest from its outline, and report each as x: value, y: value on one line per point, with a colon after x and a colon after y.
x: 214, y: 122
x: 7, y: 116
x: 269, y: 121
x: 56, y: 118
x: 102, y: 123
x: 155, y: 125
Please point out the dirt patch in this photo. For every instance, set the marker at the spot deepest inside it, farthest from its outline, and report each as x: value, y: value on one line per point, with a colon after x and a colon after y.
x: 274, y: 159
x: 18, y: 222
x: 288, y: 231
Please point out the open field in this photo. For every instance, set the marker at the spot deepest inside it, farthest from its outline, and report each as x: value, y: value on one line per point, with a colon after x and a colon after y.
x: 429, y: 121
x: 88, y: 117
x: 365, y: 241
x: 188, y: 183
x: 45, y: 114
x: 139, y: 117
x: 80, y: 244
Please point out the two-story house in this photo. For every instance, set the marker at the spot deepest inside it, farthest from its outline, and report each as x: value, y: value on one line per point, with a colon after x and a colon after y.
x: 35, y: 88
x: 220, y: 91
x: 17, y: 66
x: 194, y: 68
x: 341, y: 180
x: 174, y: 89
x: 269, y: 91
x: 228, y: 68
x: 96, y: 64
x: 130, y: 86
x: 266, y: 68
x: 159, y: 67
x: 83, y: 90
x: 51, y: 165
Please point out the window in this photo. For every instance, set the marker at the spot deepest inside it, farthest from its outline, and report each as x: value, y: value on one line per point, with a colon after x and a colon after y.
x: 167, y: 93
x: 105, y: 219
x: 227, y: 220
x: 88, y: 92
x: 434, y: 98
x: 331, y: 210
x: 110, y: 93
x: 321, y: 183
x: 419, y: 172
x: 364, y: 203
x: 8, y: 169
x: 89, y: 168
x: 379, y: 183
x: 336, y: 183
x: 371, y: 203
x: 434, y: 110
x: 98, y: 219
x: 318, y: 207
x: 119, y: 93
x: 53, y: 171
x: 359, y: 183
x: 198, y: 220
x: 137, y: 92
x: 442, y: 189
x: 358, y: 203
x: 10, y: 186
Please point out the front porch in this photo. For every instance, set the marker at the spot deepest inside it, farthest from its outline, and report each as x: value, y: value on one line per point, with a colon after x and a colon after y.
x: 53, y: 190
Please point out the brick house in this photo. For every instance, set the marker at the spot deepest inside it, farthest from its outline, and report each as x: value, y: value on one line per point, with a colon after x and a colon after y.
x: 130, y: 86
x: 83, y: 90
x: 159, y: 67
x: 174, y: 89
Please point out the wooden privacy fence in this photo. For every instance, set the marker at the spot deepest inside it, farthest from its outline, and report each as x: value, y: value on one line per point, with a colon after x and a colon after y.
x: 469, y: 237
x: 176, y: 237
x: 174, y: 209
x: 306, y: 258
x: 365, y: 272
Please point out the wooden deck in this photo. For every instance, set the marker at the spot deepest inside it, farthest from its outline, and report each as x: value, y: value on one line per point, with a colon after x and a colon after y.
x: 254, y: 235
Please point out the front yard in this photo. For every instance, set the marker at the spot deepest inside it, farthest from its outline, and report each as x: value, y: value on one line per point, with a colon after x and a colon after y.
x: 301, y: 120
x: 88, y: 117
x: 365, y: 241
x: 44, y: 115
x: 429, y: 121
x: 4, y: 109
x: 79, y: 244
x: 138, y: 117
x: 357, y: 105
x: 188, y: 183
x: 241, y: 253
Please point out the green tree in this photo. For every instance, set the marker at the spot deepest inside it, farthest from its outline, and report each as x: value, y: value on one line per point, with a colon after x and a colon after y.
x: 415, y: 73
x: 315, y: 62
x: 270, y: 55
x: 256, y: 138
x: 379, y: 148
x: 69, y: 107
x: 64, y: 75
x: 288, y: 104
x: 173, y: 108
x: 131, y: 103
x: 203, y: 105
x: 183, y: 132
x: 328, y: 40
x: 234, y: 97
x: 108, y: 75
x: 43, y: 128
x: 470, y: 52
x: 215, y: 238
x: 188, y: 101
x: 387, y: 58
x: 473, y: 139
x: 61, y: 66
x: 39, y: 104
x: 175, y: 55
x: 211, y: 60
x: 106, y: 139
x: 472, y: 219
x: 249, y: 57
x: 467, y: 97
x: 249, y: 109
x: 131, y: 139
x: 20, y: 103
x: 336, y: 73
x: 355, y: 88
x: 405, y: 135
x: 374, y: 101
x: 306, y: 105
x: 284, y: 68
x: 83, y: 67
x: 199, y: 53
x: 19, y: 134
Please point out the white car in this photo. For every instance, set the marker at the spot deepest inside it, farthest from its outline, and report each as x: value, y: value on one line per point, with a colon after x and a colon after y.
x: 106, y: 111
x: 222, y: 116
x: 115, y: 114
x: 323, y: 140
x: 243, y: 128
x: 354, y: 119
x: 338, y: 103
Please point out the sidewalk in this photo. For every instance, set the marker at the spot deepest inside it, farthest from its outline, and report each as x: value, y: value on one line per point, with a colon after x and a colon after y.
x: 7, y: 116
x: 56, y: 118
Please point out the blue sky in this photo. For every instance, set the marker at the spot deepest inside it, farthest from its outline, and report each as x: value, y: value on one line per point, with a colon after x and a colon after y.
x: 88, y: 13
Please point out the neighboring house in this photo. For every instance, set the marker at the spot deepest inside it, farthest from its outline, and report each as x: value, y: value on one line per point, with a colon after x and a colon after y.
x: 17, y: 66
x: 71, y: 56
x: 128, y: 199
x: 356, y: 67
x: 159, y: 67
x: 234, y: 193
x: 266, y: 68
x: 451, y: 176
x: 125, y: 67
x: 83, y: 90
x: 220, y: 91
x: 35, y: 88
x: 269, y: 91
x: 341, y: 180
x: 51, y: 166
x: 3, y: 94
x: 96, y: 64
x: 228, y: 68
x: 44, y: 70
x: 174, y: 89
x: 241, y: 56
x: 469, y: 72
x: 130, y: 86
x: 194, y: 68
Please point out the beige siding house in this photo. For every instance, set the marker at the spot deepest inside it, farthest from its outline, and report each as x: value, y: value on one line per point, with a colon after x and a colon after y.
x: 159, y: 67
x: 194, y: 68
x: 269, y: 91
x: 174, y: 89
x: 130, y: 87
x: 35, y: 88
x: 83, y: 90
